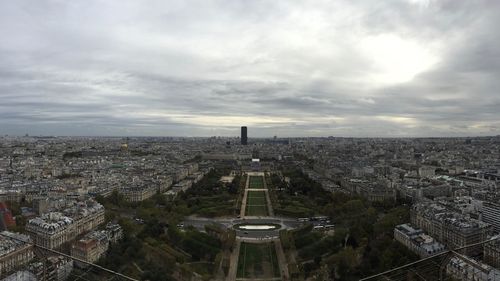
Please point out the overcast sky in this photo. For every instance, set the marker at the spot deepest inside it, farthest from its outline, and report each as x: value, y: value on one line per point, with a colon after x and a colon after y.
x: 285, y: 68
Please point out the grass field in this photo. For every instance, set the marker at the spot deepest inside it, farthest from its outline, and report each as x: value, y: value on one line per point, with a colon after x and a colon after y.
x: 256, y: 182
x: 257, y: 261
x: 256, y: 204
x: 257, y: 198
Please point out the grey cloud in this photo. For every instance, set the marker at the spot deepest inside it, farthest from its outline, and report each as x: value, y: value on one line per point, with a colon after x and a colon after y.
x: 131, y: 68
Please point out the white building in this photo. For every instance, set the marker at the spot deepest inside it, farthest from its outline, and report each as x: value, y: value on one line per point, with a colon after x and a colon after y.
x: 491, y: 215
x: 417, y: 241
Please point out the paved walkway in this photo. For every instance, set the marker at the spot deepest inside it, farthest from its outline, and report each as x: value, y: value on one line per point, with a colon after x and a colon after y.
x: 268, y: 199
x: 244, y: 201
x: 233, y: 262
x: 259, y: 239
x: 259, y: 279
x: 280, y: 254
x: 233, y: 267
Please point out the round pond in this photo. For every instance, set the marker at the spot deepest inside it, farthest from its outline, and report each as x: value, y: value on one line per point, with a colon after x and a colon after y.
x: 257, y: 227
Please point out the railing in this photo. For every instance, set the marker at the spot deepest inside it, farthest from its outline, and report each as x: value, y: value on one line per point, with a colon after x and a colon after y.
x: 429, y: 268
x: 44, y: 267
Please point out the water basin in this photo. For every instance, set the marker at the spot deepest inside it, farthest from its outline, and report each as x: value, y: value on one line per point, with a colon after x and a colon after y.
x: 257, y: 227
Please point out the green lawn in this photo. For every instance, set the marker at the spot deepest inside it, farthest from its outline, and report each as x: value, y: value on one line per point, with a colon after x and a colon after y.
x: 256, y: 204
x: 256, y: 198
x: 256, y: 211
x: 257, y: 261
x: 256, y: 182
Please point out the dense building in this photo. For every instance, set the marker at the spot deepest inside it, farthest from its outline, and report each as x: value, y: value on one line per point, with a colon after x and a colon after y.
x: 58, y: 268
x: 417, y: 241
x: 15, y: 251
x: 12, y: 195
x: 95, y: 244
x: 372, y: 190
x: 182, y: 186
x: 491, y: 215
x: 51, y: 171
x: 53, y: 268
x: 467, y: 269
x: 137, y: 193
x: 53, y: 229
x: 426, y: 171
x: 6, y: 219
x: 41, y: 205
x: 450, y: 228
x: 114, y: 231
x: 165, y: 183
x: 21, y: 276
x: 90, y: 248
x: 491, y: 253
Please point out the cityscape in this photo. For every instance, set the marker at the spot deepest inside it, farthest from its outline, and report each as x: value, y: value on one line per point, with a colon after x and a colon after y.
x: 219, y: 208
x: 237, y: 140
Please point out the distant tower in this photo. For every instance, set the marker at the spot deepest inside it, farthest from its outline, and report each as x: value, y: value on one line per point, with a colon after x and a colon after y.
x: 244, y: 138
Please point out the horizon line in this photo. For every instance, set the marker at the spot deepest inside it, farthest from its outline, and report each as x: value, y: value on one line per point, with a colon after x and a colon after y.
x: 238, y: 137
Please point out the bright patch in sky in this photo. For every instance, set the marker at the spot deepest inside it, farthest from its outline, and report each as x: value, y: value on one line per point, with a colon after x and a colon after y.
x: 395, y: 59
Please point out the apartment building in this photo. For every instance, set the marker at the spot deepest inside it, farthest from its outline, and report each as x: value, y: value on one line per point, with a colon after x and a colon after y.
x: 14, y: 253
x: 450, y: 228
x: 417, y: 241
x: 53, y: 229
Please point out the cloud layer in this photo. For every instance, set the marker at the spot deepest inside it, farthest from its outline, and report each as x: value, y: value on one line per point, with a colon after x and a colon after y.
x: 286, y: 68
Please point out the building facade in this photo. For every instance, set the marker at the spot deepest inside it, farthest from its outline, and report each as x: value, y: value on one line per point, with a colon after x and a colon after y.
x: 491, y: 215
x: 417, y: 241
x: 491, y: 253
x: 467, y: 269
x: 13, y: 252
x: 138, y: 194
x: 450, y: 228
x: 244, y: 137
x: 90, y: 248
x: 95, y: 244
x: 53, y: 229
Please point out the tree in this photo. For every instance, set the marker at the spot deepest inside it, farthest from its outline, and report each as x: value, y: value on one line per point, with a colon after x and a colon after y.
x: 346, y: 260
x: 116, y: 198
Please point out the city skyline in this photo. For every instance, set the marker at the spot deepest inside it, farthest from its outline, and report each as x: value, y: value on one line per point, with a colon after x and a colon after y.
x: 203, y: 68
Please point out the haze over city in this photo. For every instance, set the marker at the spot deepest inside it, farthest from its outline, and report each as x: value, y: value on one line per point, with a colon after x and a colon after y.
x: 286, y: 68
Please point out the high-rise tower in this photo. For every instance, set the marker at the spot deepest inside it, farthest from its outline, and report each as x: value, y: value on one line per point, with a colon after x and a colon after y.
x: 244, y: 138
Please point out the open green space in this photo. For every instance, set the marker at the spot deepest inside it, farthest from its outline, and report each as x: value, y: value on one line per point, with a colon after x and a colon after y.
x: 256, y: 182
x: 256, y: 198
x: 257, y: 261
x: 362, y: 243
x: 256, y: 204
x: 256, y: 211
x: 154, y: 249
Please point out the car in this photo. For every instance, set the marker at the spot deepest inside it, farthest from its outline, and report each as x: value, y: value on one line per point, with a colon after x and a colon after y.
x: 180, y: 225
x: 246, y: 232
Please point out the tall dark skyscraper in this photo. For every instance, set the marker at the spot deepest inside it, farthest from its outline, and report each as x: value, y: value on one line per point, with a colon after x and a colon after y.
x: 244, y: 138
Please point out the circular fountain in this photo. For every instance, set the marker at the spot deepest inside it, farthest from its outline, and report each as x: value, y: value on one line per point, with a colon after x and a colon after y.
x: 257, y: 226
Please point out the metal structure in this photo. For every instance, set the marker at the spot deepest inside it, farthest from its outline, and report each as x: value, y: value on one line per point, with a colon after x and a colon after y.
x: 432, y: 268
x: 86, y: 271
